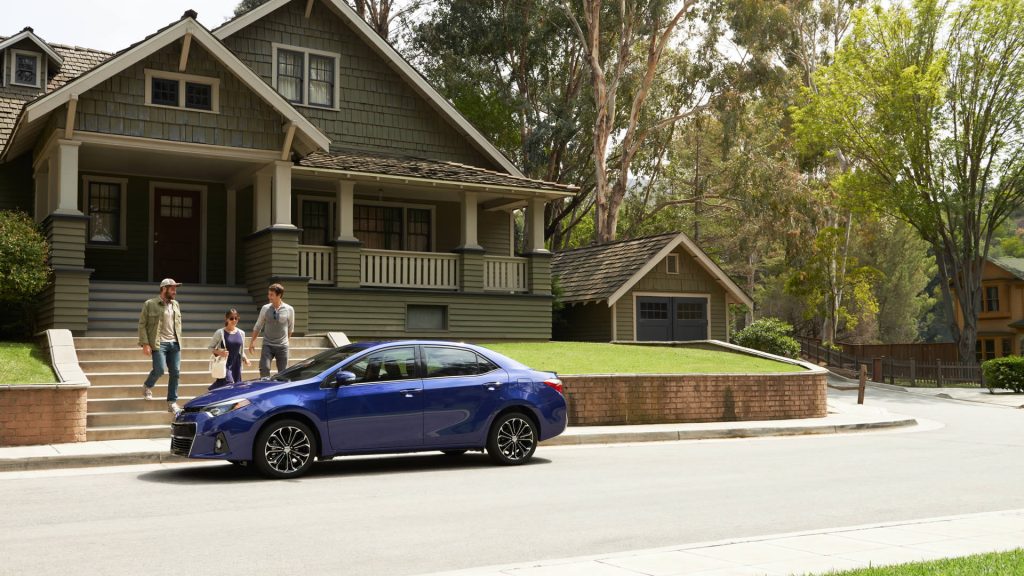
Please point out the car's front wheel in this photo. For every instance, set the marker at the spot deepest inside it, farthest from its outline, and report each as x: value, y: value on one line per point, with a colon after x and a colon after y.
x: 284, y: 449
x: 512, y: 440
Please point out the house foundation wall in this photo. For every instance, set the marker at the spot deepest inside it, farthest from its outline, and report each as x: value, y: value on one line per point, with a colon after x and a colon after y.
x: 42, y: 414
x: 604, y: 400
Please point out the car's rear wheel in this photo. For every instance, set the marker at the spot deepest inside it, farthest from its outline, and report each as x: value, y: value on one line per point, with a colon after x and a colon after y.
x: 512, y: 440
x: 284, y: 449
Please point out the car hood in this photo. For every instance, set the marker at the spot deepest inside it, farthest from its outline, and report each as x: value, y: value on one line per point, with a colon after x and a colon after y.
x: 246, y: 389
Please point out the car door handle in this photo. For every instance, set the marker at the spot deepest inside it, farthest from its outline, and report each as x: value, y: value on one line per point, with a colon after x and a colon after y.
x: 409, y: 392
x: 493, y: 385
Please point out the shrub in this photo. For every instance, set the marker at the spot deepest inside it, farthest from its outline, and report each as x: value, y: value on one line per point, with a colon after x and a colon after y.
x: 23, y: 273
x: 769, y: 335
x: 1006, y: 372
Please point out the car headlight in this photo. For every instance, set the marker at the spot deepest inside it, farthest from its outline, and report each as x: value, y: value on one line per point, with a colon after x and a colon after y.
x: 226, y: 406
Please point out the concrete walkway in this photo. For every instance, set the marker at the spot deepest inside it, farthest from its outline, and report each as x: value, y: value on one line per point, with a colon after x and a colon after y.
x: 842, y: 417
x: 813, y: 552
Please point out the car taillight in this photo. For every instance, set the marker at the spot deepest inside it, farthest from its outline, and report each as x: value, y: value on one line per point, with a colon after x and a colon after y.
x: 555, y: 383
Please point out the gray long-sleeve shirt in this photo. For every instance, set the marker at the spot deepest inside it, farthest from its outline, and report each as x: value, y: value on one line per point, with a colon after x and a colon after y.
x: 275, y: 324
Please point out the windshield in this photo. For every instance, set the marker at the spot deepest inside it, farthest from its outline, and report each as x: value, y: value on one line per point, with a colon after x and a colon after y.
x: 315, y: 365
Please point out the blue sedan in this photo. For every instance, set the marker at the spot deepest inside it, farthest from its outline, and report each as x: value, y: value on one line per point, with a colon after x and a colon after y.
x: 373, y: 398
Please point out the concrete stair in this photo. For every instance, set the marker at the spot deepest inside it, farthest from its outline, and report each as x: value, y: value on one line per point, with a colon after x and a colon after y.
x: 116, y: 368
x: 114, y: 307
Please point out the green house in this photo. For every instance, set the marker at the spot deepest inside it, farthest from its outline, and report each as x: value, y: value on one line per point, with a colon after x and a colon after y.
x: 291, y: 144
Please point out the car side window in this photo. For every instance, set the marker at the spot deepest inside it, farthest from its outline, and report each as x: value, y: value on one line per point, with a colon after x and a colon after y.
x: 442, y: 362
x: 385, y: 365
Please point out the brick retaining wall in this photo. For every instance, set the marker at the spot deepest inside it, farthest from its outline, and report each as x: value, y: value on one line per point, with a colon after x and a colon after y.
x: 42, y: 414
x: 601, y: 400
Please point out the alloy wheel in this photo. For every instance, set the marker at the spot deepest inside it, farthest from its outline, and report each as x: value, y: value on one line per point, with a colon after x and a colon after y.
x: 515, y: 439
x: 288, y: 449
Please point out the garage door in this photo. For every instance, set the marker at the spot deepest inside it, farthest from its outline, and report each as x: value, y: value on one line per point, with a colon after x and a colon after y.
x: 662, y: 318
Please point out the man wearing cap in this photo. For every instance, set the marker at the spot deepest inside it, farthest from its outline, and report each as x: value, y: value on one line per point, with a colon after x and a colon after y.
x: 160, y: 337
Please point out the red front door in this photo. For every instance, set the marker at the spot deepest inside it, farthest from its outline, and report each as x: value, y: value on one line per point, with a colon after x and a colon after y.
x: 176, y: 235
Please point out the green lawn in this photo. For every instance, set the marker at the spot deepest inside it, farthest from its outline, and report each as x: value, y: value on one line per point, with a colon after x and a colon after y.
x: 23, y: 363
x: 996, y: 564
x: 597, y: 358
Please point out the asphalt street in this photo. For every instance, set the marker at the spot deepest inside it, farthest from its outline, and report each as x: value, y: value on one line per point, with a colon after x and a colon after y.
x: 414, y: 514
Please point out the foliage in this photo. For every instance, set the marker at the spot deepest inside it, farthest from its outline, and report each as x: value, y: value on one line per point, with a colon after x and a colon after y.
x: 769, y: 335
x: 23, y: 269
x: 23, y: 363
x: 1002, y: 563
x: 1006, y: 372
x: 925, y: 102
x: 604, y: 358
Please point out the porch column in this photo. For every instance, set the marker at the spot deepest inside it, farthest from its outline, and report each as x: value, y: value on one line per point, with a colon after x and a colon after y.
x: 282, y: 212
x: 469, y: 222
x: 540, y: 258
x: 347, y: 257
x: 67, y: 177
x: 261, y: 193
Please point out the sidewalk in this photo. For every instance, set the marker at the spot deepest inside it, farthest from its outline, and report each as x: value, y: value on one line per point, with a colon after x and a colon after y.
x: 981, y: 395
x: 811, y: 552
x: 842, y: 417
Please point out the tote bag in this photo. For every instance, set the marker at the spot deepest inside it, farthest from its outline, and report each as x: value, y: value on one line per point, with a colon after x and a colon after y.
x: 219, y: 364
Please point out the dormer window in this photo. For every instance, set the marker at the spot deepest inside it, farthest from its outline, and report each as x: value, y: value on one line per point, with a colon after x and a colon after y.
x: 184, y: 91
x: 26, y: 69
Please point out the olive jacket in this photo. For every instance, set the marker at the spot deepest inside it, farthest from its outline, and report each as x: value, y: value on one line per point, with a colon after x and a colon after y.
x: 151, y: 321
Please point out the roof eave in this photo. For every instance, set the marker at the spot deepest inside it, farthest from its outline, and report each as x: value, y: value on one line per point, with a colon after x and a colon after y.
x: 377, y: 177
x: 25, y: 34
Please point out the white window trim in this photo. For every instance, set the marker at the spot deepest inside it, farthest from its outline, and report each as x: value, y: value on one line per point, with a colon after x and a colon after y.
x: 123, y: 183
x: 331, y: 224
x: 305, y: 74
x: 40, y: 68
x: 405, y: 216
x: 214, y: 84
x: 671, y: 258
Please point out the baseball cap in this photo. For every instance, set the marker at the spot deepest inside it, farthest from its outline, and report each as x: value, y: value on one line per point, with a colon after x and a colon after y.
x: 169, y: 282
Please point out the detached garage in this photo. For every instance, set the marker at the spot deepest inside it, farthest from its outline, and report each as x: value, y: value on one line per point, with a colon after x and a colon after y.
x: 660, y: 288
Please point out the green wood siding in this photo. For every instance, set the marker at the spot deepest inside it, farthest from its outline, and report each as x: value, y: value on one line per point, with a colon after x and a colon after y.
x: 17, y: 189
x: 364, y: 313
x: 692, y: 279
x: 584, y: 323
x: 118, y: 106
x: 379, y: 111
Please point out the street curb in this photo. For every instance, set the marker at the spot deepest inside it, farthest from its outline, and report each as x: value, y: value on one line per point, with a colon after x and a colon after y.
x: 134, y: 458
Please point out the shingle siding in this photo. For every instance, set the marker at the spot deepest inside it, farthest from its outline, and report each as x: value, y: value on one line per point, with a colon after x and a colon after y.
x: 379, y: 111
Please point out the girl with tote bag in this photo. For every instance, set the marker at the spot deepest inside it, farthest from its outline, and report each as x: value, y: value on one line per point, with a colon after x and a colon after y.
x: 228, y: 343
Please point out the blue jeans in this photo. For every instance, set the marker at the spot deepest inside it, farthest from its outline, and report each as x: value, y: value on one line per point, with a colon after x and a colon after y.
x: 166, y: 358
x: 276, y: 353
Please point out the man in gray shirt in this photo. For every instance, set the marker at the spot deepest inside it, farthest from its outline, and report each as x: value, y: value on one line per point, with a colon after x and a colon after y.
x: 276, y: 324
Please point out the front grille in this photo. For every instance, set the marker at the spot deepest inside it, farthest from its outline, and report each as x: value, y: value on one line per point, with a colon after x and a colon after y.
x: 182, y: 435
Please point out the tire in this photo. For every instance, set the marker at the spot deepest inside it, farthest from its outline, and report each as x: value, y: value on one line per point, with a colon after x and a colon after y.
x: 512, y: 439
x: 454, y: 453
x: 284, y: 449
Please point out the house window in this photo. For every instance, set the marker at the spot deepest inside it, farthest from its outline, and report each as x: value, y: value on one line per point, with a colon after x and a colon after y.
x: 175, y: 206
x: 183, y: 91
x: 990, y: 299
x: 307, y: 77
x: 654, y: 310
x: 672, y: 264
x: 422, y: 317
x: 105, y: 205
x: 26, y: 68
x: 988, y: 348
x: 316, y: 222
x: 689, y: 311
x: 394, y: 227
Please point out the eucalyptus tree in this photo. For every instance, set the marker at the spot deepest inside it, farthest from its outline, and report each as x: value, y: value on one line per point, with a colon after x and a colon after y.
x: 927, y: 102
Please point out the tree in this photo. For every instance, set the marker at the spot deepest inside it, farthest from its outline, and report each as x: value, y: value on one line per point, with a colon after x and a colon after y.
x: 23, y: 271
x: 927, y: 103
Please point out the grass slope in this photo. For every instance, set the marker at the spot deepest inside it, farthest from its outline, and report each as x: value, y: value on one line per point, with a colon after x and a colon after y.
x: 599, y: 358
x: 23, y: 363
x: 996, y: 564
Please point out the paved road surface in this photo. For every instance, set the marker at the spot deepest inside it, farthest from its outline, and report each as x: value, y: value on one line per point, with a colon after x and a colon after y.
x: 414, y: 514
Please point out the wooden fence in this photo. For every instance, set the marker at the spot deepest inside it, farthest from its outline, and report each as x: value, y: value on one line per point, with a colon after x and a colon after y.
x: 895, y: 371
x: 921, y: 351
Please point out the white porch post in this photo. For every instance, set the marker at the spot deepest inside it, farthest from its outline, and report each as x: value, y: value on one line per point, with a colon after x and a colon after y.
x: 469, y: 222
x: 67, y: 177
x: 535, y: 225
x: 261, y: 197
x: 345, y: 206
x: 282, y: 214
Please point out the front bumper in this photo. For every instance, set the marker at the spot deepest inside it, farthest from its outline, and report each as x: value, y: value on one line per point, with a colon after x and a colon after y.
x: 199, y: 435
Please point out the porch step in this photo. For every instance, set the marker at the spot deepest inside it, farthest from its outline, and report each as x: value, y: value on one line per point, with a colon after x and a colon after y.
x: 132, y: 391
x: 129, y: 379
x: 188, y: 354
x: 129, y: 433
x: 142, y: 418
x: 114, y: 306
x: 124, y: 343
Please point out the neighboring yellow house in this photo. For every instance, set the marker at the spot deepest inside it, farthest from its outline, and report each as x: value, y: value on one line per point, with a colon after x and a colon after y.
x: 1001, y: 322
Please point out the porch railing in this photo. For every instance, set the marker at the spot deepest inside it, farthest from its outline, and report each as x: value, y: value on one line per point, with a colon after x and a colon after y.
x: 390, y: 269
x: 505, y: 274
x: 317, y: 262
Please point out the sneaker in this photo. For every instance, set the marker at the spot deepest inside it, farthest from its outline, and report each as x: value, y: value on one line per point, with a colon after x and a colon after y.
x: 173, y: 407
x: 147, y: 393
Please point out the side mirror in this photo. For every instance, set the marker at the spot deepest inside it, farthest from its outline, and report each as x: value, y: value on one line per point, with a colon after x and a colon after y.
x: 344, y: 378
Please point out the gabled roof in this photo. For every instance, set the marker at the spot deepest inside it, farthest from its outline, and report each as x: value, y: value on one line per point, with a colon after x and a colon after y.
x: 608, y: 271
x: 134, y: 54
x: 76, y: 61
x: 397, y: 62
x: 1014, y: 266
x: 28, y: 34
x: 423, y: 169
